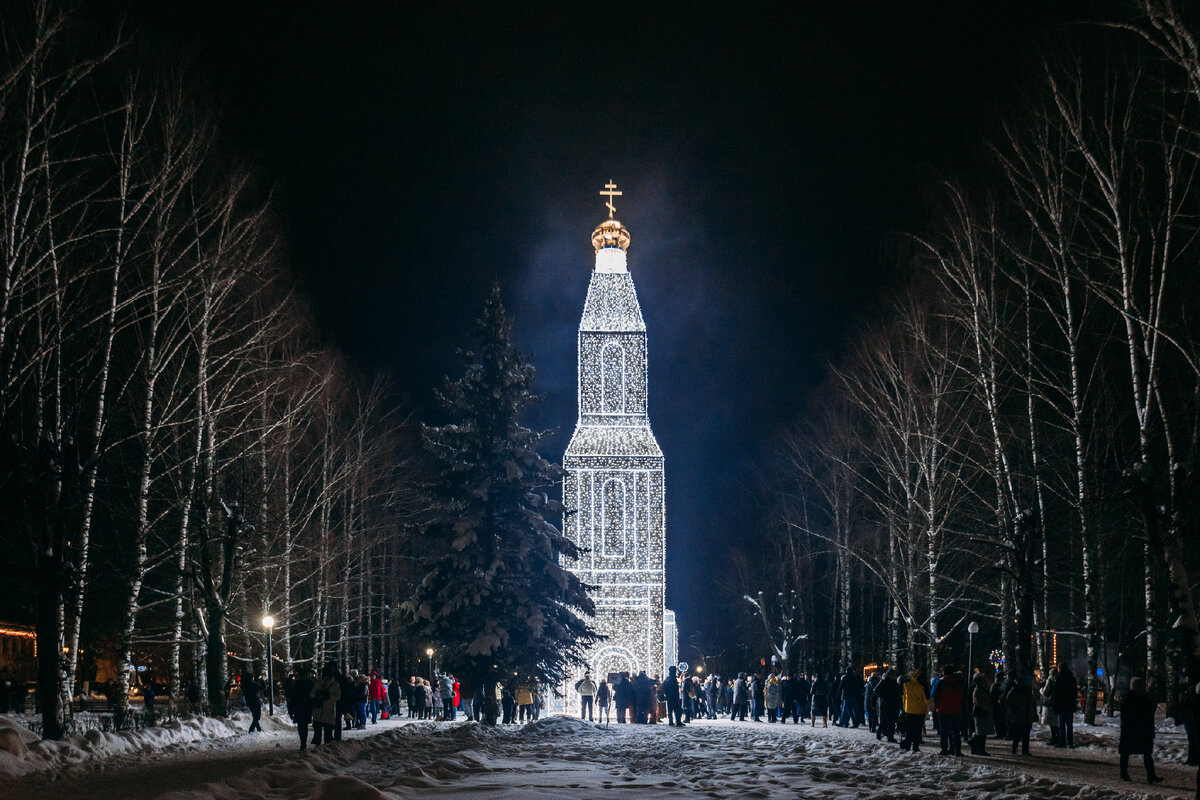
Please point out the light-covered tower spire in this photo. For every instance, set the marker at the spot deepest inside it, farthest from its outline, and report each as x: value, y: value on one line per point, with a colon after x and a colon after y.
x: 613, y: 486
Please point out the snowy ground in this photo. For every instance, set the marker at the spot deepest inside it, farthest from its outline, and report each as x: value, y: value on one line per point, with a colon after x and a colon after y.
x: 560, y: 757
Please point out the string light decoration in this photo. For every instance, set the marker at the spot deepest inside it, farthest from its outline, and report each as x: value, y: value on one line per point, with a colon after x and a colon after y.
x: 997, y: 659
x: 613, y: 484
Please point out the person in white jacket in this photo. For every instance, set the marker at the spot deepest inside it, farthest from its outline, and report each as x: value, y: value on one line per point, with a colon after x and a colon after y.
x: 587, y: 690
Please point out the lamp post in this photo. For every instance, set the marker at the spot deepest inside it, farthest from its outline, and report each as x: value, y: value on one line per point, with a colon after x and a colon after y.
x: 269, y: 622
x: 972, y: 629
x: 429, y: 653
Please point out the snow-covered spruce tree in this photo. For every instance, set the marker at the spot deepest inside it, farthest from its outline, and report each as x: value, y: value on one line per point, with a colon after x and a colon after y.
x: 494, y: 599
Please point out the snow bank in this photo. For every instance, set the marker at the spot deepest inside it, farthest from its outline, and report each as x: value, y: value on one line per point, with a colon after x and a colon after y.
x: 23, y: 752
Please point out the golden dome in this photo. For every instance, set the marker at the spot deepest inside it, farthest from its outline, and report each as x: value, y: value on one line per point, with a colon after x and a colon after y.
x: 610, y: 233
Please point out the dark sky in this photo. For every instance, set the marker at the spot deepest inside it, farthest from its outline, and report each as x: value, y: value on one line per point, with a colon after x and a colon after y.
x: 767, y: 155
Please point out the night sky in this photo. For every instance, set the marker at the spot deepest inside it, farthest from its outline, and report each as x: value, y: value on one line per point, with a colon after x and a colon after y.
x: 769, y: 155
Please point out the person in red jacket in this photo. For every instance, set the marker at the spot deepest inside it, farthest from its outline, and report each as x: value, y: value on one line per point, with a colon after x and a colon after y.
x: 376, y: 693
x: 457, y: 694
x: 949, y: 699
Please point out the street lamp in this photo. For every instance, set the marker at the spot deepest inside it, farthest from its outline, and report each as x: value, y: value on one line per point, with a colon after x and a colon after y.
x: 269, y: 622
x: 972, y: 629
x: 429, y: 653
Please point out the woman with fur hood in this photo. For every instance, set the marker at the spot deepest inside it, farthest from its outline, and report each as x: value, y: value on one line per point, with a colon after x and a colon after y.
x: 326, y: 693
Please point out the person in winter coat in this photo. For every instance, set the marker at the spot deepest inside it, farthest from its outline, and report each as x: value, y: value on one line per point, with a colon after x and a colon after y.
x: 949, y: 700
x: 820, y: 701
x: 1047, y: 705
x: 671, y: 692
x: 345, y: 705
x: 803, y: 696
x: 757, y: 696
x: 603, y: 702
x: 376, y: 695
x: 643, y: 698
x: 326, y: 694
x: 393, y: 692
x: 362, y: 699
x: 1193, y: 706
x: 710, y: 696
x: 1186, y: 714
x: 623, y: 698
x: 1000, y: 688
x: 787, y: 699
x: 771, y: 697
x: 517, y: 705
x: 870, y: 701
x: 914, y: 700
x: 741, y: 698
x: 693, y: 698
x: 983, y: 713
x: 300, y: 704
x: 1137, y: 729
x: 852, y: 688
x: 418, y: 699
x: 587, y: 693
x: 1066, y: 698
x: 887, y: 699
x: 252, y: 695
x: 437, y: 709
x: 1021, y: 708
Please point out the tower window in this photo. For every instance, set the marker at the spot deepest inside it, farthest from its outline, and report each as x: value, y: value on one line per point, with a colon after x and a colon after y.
x: 613, y: 514
x: 612, y: 379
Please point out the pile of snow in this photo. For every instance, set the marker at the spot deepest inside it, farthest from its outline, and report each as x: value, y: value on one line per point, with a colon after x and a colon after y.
x: 23, y: 752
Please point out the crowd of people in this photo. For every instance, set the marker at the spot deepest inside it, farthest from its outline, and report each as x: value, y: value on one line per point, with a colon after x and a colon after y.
x: 987, y: 707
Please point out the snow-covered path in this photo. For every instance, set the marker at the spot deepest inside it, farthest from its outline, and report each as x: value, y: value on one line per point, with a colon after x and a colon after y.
x: 564, y: 758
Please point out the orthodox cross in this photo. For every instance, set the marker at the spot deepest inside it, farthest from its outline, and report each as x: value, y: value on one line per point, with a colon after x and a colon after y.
x: 611, y: 187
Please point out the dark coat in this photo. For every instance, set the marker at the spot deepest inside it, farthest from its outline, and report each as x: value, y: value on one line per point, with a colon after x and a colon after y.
x: 623, y: 694
x: 300, y: 705
x: 643, y: 688
x: 1137, y: 724
x: 820, y: 693
x: 252, y: 693
x: 802, y: 687
x: 1066, y: 691
x: 887, y: 694
x: 670, y: 690
x: 1020, y: 705
x: 852, y: 688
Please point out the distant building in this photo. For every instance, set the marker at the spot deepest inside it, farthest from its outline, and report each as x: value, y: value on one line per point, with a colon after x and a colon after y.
x: 18, y: 652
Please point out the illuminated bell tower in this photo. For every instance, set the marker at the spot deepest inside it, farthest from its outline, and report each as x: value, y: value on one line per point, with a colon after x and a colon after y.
x: 613, y: 467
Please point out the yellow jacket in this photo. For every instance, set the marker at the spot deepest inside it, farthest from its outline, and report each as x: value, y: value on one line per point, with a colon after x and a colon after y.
x: 915, y: 701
